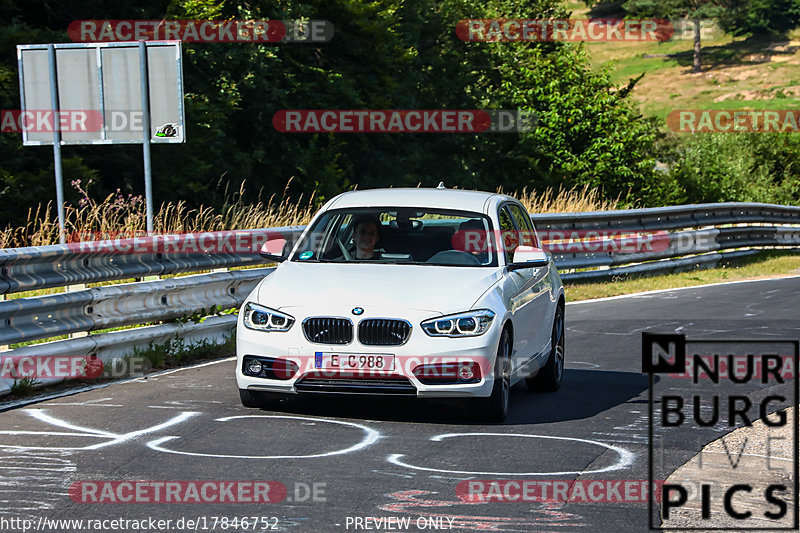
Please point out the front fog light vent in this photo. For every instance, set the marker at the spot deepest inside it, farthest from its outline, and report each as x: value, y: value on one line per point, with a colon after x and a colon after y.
x: 254, y: 367
x: 465, y: 373
x: 269, y: 367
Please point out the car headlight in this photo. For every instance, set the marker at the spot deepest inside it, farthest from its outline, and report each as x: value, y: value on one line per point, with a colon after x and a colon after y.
x: 263, y: 318
x: 469, y: 324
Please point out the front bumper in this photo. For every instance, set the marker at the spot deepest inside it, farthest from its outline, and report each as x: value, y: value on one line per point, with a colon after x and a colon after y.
x: 420, y: 349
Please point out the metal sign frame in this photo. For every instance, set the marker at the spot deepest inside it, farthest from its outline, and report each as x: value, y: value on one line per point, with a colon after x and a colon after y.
x: 99, y: 58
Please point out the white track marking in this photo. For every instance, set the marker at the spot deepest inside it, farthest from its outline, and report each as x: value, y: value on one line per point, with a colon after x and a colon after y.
x: 83, y: 404
x: 409, y: 476
x: 52, y: 433
x: 90, y: 403
x: 17, y: 482
x: 625, y: 456
x: 181, y: 404
x: 63, y: 469
x: 113, y: 438
x: 40, y: 492
x: 154, y: 377
x: 20, y: 505
x: 371, y: 436
x: 583, y: 363
x: 41, y: 415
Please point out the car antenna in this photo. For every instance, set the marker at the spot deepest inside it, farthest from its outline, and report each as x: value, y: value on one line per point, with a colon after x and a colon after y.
x: 441, y: 185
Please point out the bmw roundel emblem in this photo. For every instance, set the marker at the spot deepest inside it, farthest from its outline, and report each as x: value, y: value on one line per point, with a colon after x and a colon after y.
x: 358, y: 311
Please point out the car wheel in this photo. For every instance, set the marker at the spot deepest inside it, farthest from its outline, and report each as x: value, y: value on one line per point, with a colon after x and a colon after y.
x: 495, y: 407
x: 549, y: 377
x: 257, y: 399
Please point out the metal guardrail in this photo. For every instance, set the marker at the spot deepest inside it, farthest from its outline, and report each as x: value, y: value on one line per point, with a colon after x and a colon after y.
x: 709, y: 241
x: 694, y: 236
x: 672, y: 217
x: 42, y: 267
x: 115, y: 346
x: 112, y: 306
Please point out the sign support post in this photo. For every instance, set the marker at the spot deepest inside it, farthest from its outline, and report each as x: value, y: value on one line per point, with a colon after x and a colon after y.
x: 148, y: 178
x: 51, y: 58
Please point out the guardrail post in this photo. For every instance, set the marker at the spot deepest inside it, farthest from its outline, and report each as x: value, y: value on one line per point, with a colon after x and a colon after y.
x: 4, y: 347
x: 75, y: 288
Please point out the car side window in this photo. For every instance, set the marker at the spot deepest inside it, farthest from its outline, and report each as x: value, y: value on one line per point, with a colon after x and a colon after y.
x: 508, y: 233
x: 527, y: 235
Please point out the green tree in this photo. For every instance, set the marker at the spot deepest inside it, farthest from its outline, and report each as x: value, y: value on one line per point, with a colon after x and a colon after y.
x: 771, y: 18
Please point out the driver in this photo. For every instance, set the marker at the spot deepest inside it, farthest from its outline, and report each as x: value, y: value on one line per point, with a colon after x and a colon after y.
x: 366, y: 234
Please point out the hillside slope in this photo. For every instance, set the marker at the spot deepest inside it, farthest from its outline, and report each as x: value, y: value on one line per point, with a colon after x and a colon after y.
x: 737, y: 74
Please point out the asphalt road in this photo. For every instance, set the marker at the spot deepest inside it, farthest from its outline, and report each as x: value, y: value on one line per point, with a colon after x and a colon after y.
x: 343, y: 460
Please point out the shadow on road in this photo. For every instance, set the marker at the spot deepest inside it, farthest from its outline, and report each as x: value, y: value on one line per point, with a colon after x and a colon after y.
x: 583, y: 394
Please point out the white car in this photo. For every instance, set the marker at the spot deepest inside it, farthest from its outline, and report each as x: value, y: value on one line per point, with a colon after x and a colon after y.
x: 431, y: 293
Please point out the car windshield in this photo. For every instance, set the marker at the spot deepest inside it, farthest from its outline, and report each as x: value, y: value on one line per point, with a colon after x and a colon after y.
x: 412, y: 236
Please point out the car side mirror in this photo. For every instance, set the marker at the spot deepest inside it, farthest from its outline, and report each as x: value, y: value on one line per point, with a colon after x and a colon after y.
x: 277, y: 248
x: 528, y: 257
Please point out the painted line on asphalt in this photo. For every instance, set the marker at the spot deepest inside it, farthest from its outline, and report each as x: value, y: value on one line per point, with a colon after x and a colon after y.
x: 371, y: 436
x: 172, y: 371
x: 113, y: 438
x: 625, y: 457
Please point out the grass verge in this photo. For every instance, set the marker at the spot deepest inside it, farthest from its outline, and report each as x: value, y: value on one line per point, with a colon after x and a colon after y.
x: 765, y: 265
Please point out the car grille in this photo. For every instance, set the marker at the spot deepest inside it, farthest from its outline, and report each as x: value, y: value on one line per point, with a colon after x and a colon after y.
x: 383, y: 332
x: 394, y: 386
x: 324, y: 330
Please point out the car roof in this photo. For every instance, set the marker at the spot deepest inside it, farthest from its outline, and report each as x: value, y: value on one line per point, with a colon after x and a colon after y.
x: 440, y: 198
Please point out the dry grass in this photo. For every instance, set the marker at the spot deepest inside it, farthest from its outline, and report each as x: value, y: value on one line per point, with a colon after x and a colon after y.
x: 125, y: 216
x: 571, y: 200
x: 119, y: 215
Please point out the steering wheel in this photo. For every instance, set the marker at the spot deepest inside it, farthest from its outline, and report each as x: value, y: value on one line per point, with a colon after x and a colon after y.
x: 455, y: 258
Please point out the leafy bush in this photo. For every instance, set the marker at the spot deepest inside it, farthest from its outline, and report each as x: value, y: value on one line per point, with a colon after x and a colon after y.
x: 743, y: 167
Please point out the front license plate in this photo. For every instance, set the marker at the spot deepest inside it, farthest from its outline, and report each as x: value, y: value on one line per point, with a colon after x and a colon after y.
x: 353, y: 361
